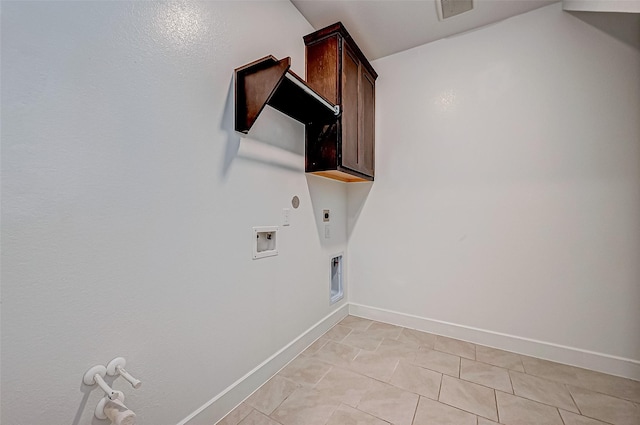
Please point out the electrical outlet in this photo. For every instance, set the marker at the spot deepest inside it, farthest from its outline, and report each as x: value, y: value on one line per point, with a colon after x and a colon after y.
x: 286, y: 217
x: 327, y: 231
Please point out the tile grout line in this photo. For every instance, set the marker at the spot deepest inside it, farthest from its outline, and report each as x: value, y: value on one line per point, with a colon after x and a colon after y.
x: 495, y: 365
x: 458, y: 407
x: 495, y: 396
x: 540, y: 402
x: 350, y: 332
x: 585, y: 388
x: 452, y: 354
x: 573, y: 399
x: 298, y: 386
x: 521, y: 363
x: 405, y: 389
x: 415, y: 411
x: 481, y: 384
x: 278, y: 422
x: 577, y: 384
x: 463, y: 410
x: 394, y: 371
x: 590, y: 417
x: 335, y: 409
x: 566, y: 386
x: 561, y: 418
x: 370, y: 414
x: 325, y: 374
x: 484, y: 386
x: 359, y: 351
x: 520, y: 357
x: 513, y: 389
x: 525, y: 368
x: 596, y: 419
x: 251, y: 409
x: 526, y: 371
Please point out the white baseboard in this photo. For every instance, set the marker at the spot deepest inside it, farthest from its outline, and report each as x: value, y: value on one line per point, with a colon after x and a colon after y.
x: 601, y: 362
x: 219, y: 406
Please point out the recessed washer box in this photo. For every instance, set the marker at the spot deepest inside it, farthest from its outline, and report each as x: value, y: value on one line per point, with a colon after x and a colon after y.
x: 265, y: 241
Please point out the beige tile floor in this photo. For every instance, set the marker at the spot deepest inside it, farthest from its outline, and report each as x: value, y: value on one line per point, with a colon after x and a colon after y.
x: 363, y: 372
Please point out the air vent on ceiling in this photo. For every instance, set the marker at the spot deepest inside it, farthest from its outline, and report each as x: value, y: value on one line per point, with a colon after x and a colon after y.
x: 449, y: 8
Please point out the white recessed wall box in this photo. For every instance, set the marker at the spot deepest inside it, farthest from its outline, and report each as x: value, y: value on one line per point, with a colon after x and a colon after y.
x: 265, y: 241
x: 337, y: 286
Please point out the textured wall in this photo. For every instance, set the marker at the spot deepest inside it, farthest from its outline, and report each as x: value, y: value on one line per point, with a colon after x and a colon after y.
x: 507, y: 193
x: 128, y: 202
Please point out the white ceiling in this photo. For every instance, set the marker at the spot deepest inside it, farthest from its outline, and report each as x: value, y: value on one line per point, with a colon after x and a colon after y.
x: 385, y: 27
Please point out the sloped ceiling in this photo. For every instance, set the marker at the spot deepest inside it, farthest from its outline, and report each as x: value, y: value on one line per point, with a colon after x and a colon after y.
x: 385, y: 27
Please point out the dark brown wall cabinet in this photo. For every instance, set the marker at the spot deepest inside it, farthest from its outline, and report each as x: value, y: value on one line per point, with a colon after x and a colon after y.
x: 339, y: 71
x: 336, y: 103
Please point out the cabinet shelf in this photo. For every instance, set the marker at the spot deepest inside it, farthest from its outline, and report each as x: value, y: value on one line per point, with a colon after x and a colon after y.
x: 269, y: 81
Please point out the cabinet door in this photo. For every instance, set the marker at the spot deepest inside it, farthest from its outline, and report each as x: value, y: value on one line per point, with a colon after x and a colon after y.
x: 350, y: 101
x: 323, y: 70
x: 367, y: 113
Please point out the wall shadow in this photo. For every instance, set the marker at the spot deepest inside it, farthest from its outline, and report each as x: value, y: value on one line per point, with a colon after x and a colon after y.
x: 281, y: 137
x: 86, y: 390
x: 233, y: 137
x: 357, y: 195
x: 622, y: 26
x: 332, y: 195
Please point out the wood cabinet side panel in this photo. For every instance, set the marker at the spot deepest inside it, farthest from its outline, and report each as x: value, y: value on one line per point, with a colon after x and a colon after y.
x: 367, y: 135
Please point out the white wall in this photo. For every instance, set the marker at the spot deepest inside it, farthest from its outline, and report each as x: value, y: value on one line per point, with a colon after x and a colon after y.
x: 506, y: 197
x: 507, y: 193
x: 128, y: 202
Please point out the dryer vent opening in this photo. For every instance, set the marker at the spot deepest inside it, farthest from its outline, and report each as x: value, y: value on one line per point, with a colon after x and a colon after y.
x: 337, y: 289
